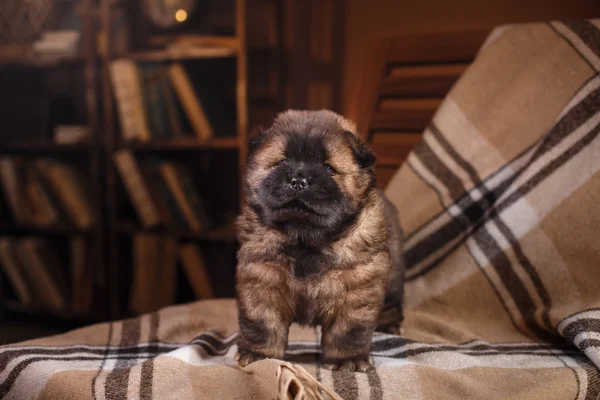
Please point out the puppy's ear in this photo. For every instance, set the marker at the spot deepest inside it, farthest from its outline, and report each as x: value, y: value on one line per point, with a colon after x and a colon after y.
x: 256, y: 139
x: 362, y: 154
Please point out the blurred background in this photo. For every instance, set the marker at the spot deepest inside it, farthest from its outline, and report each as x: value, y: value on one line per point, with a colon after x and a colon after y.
x: 125, y: 124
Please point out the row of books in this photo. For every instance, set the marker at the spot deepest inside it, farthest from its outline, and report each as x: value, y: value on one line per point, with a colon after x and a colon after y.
x: 45, y: 192
x: 38, y: 278
x: 159, y: 101
x: 162, y: 193
x: 155, y: 261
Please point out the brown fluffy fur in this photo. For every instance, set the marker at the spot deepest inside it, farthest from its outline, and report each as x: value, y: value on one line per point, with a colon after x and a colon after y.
x: 360, y: 267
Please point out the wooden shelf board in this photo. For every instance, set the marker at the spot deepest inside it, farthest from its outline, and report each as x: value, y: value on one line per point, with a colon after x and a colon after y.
x: 184, y: 54
x: 224, y: 233
x: 228, y: 41
x: 185, y: 144
x: 43, y: 147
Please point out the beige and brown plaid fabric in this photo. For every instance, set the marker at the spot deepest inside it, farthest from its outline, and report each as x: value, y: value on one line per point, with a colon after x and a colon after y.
x: 500, y: 206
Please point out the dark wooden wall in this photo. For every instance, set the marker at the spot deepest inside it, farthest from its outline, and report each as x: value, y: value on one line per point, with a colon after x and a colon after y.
x: 366, y: 21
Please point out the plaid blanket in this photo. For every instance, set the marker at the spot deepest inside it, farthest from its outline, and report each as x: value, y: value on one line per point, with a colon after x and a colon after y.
x: 499, y: 206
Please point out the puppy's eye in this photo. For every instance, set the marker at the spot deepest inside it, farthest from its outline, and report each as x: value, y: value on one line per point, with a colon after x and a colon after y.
x: 329, y: 168
x: 278, y: 163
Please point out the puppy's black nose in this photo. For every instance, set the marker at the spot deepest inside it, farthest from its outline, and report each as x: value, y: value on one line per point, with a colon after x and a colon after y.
x: 298, y: 183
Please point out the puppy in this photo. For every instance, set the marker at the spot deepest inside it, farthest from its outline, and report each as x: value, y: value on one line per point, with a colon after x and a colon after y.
x: 320, y: 244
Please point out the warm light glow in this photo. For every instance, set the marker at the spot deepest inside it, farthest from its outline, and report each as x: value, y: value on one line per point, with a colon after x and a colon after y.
x: 181, y: 15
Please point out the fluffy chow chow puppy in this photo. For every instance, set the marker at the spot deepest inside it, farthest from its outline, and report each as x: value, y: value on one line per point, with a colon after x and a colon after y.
x: 320, y: 244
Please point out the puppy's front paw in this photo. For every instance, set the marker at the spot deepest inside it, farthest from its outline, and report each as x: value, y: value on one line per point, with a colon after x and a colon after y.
x: 245, y: 357
x: 362, y: 364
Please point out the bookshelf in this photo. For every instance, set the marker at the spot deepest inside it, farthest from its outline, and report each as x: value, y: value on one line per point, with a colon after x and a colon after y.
x: 162, y: 55
x: 74, y: 78
x: 214, y: 164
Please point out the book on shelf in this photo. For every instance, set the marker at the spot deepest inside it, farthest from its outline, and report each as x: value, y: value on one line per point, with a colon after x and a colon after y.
x: 196, y: 271
x: 38, y: 278
x: 175, y: 114
x: 162, y: 193
x: 137, y: 188
x: 14, y: 193
x: 44, y: 211
x: 71, y: 134
x: 53, y: 196
x: 193, y: 196
x: 15, y: 272
x: 154, y: 273
x: 62, y: 43
x: 167, y: 204
x: 155, y: 102
x: 188, y: 200
x: 44, y: 272
x: 126, y: 81
x: 190, y: 101
x: 67, y: 184
x: 27, y: 198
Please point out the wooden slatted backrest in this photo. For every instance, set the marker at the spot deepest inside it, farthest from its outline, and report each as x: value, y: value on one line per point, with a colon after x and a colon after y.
x: 404, y: 80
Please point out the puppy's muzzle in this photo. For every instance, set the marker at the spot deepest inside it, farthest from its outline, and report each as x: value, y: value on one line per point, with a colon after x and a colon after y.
x: 299, y: 180
x: 299, y: 184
